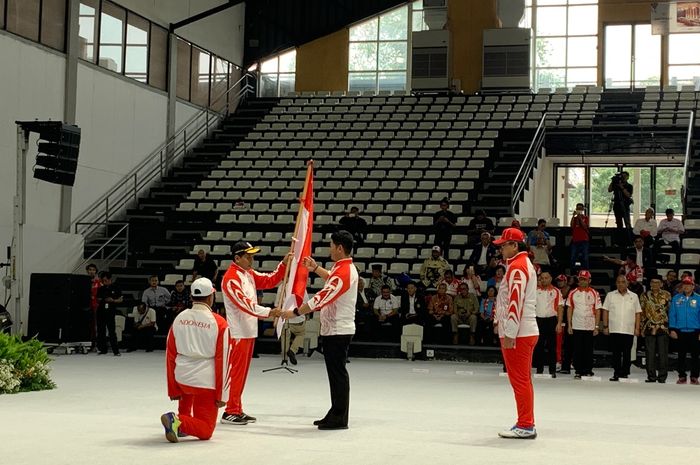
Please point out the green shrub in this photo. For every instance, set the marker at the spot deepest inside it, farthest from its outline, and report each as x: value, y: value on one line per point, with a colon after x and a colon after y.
x: 24, y: 366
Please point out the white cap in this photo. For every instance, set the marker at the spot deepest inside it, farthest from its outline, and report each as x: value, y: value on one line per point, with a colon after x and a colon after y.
x: 202, y: 287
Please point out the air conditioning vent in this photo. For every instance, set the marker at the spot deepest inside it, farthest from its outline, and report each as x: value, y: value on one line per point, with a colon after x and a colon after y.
x: 506, y: 59
x: 430, y: 63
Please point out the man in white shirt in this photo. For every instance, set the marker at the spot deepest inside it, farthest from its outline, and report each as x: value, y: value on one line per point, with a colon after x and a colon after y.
x: 548, y: 309
x: 386, y: 307
x: 144, y: 328
x: 583, y: 312
x: 670, y: 229
x: 621, y: 316
x: 646, y: 227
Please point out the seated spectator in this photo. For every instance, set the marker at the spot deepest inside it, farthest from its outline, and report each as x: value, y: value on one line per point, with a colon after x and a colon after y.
x: 472, y: 280
x: 180, y: 299
x: 364, y: 305
x: 684, y: 277
x: 451, y: 282
x: 444, y: 221
x: 466, y: 311
x: 204, y: 267
x: 479, y: 224
x: 158, y: 298
x: 494, y: 263
x: 482, y: 254
x: 535, y: 233
x: 240, y: 204
x: 496, y: 280
x: 541, y: 251
x: 144, y: 328
x: 413, y: 309
x: 379, y: 280
x: 670, y: 282
x: 646, y: 227
x: 440, y: 310
x: 355, y: 225
x: 644, y: 255
x: 433, y: 268
x: 487, y: 310
x: 670, y: 230
x: 628, y: 268
x: 386, y: 307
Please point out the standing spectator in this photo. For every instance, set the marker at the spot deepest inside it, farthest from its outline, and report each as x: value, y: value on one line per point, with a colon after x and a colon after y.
x: 144, y: 328
x: 670, y: 229
x: 567, y: 350
x: 96, y: 283
x: 655, y: 305
x: 479, y: 224
x: 452, y: 283
x: 482, y: 254
x: 538, y: 232
x: 364, y: 314
x: 517, y: 328
x: 433, y: 268
x: 440, y: 310
x: 386, y: 307
x: 621, y: 317
x: 549, y: 310
x: 487, y: 311
x: 444, y: 221
x: 379, y: 280
x: 466, y: 311
x: 583, y: 312
x: 204, y: 267
x: 355, y: 225
x: 197, y: 364
x: 684, y: 325
x: 622, y: 199
x: 108, y: 297
x: 646, y: 227
x: 472, y: 280
x: 580, y: 237
x: 413, y: 309
x: 158, y: 298
x: 671, y: 281
x: 180, y: 299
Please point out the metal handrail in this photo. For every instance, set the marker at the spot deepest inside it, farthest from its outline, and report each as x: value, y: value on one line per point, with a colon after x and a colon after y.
x: 520, y: 181
x: 686, y: 162
x: 157, y: 163
x: 109, y: 241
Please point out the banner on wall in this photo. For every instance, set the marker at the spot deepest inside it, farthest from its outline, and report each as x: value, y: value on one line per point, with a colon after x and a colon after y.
x: 675, y: 18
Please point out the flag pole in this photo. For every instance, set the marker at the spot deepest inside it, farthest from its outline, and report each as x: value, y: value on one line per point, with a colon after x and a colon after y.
x: 309, y: 171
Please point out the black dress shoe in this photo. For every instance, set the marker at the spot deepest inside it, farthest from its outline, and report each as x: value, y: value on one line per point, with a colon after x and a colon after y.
x: 614, y: 378
x: 331, y: 426
x: 320, y: 422
x: 292, y: 357
x: 649, y: 380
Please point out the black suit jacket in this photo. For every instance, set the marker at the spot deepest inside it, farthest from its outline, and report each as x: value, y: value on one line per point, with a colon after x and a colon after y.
x: 647, y: 257
x: 419, y: 306
x: 476, y: 254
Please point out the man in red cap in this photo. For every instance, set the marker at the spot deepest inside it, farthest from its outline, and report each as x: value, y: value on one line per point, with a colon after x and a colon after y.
x: 584, y: 311
x: 684, y: 325
x: 517, y: 328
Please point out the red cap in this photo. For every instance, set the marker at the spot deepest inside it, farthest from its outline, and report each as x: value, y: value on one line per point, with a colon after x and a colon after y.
x: 510, y: 234
x: 585, y: 274
x: 688, y: 280
x: 562, y: 277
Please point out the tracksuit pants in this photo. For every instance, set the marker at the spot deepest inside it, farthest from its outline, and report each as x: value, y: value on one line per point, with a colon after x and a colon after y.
x: 240, y: 364
x: 546, y: 349
x: 198, y: 412
x: 518, y: 362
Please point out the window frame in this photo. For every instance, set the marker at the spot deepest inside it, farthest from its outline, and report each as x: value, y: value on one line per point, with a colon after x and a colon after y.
x: 277, y: 73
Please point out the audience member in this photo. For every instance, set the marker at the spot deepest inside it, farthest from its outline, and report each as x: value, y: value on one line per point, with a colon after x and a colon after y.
x: 479, y: 224
x: 180, y: 299
x: 204, y: 267
x: 541, y: 251
x: 622, y: 199
x: 472, y: 280
x: 533, y: 235
x: 549, y: 309
x: 386, y: 307
x: 679, y: 285
x: 482, y: 254
x: 440, y: 310
x: 433, y: 268
x: 671, y: 281
x: 580, y: 237
x: 621, y: 317
x: 158, y: 298
x: 355, y: 225
x: 487, y: 310
x: 364, y: 308
x: 413, y: 309
x: 379, y: 280
x: 496, y: 280
x: 684, y: 325
x: 144, y: 328
x: 628, y: 268
x: 646, y: 227
x: 670, y: 229
x: 96, y: 283
x: 451, y: 282
x: 643, y: 255
x: 583, y: 312
x: 655, y: 306
x: 444, y: 222
x: 466, y: 311
x: 108, y: 297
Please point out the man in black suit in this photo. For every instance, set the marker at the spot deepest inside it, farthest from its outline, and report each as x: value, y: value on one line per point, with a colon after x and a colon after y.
x: 364, y: 315
x: 644, y: 255
x: 355, y: 225
x: 482, y: 254
x: 413, y: 308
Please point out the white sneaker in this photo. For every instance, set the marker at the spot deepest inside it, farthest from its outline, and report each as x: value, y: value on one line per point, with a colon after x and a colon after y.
x: 519, y: 433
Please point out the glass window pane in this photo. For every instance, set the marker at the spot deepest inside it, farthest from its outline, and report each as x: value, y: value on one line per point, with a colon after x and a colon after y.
x: 394, y: 24
x: 551, y: 21
x: 270, y: 66
x: 200, y: 77
x: 418, y: 21
x: 618, y: 56
x: 111, y: 36
x: 53, y: 24
x: 363, y: 56
x: 136, y: 48
x: 582, y: 51
x: 583, y: 20
x: 288, y: 62
x: 392, y: 55
x: 183, y: 69
x: 362, y: 81
x: 286, y: 83
x: 87, y: 29
x: 219, y: 83
x: 683, y: 49
x: 551, y: 2
x: 392, y: 81
x: 684, y: 75
x: 158, y: 58
x: 268, y: 85
x: 551, y: 78
x: 418, y: 5
x: 23, y: 18
x: 668, y: 189
x: 647, y: 57
x: 2, y: 14
x: 551, y: 52
x: 526, y: 20
x: 365, y: 31
x: 234, y: 74
x: 581, y: 76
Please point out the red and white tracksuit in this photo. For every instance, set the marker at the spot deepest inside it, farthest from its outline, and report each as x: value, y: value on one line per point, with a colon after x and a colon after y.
x: 336, y: 301
x: 515, y: 314
x: 197, y: 365
x: 240, y: 288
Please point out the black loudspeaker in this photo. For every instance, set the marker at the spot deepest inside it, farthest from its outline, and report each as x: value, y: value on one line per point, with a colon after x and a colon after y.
x: 59, y: 307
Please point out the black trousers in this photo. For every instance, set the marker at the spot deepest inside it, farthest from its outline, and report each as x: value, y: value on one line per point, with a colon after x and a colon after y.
x: 688, y: 344
x: 441, y: 335
x: 105, y: 323
x: 443, y: 239
x: 546, y: 348
x: 142, y: 338
x: 621, y: 347
x: 657, y: 369
x: 335, y: 353
x: 567, y: 350
x: 583, y: 351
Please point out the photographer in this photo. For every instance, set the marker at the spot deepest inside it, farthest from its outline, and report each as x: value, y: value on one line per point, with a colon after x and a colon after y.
x: 622, y: 199
x: 580, y: 237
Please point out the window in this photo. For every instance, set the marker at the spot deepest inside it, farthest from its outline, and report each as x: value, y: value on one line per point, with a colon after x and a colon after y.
x: 200, y: 77
x: 418, y: 17
x: 23, y: 18
x: 136, y: 66
x: 683, y: 59
x: 565, y: 41
x: 277, y: 75
x: 53, y: 24
x: 184, y: 50
x: 632, y: 56
x: 112, y: 20
x: 87, y: 29
x: 158, y: 58
x: 2, y: 14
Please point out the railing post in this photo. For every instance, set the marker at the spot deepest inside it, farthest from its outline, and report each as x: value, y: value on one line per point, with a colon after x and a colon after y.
x: 184, y: 141
x: 160, y: 165
x: 106, y: 214
x: 136, y: 188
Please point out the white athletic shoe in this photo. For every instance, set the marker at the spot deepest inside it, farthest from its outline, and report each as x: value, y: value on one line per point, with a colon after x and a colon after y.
x: 519, y: 433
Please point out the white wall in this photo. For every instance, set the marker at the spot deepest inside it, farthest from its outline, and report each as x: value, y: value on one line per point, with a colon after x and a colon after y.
x: 183, y: 112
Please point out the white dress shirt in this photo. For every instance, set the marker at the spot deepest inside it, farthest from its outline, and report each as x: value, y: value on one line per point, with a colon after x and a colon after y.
x: 622, y: 309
